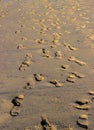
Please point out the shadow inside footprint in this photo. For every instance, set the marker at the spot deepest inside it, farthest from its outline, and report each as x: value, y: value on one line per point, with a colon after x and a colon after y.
x: 13, y: 101
x: 17, y: 102
x: 46, y: 125
x: 43, y: 123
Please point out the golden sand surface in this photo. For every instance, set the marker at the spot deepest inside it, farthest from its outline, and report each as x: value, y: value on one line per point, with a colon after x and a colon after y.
x: 46, y: 64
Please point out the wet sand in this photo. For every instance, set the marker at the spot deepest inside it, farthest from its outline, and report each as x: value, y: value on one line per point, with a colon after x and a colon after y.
x: 46, y: 54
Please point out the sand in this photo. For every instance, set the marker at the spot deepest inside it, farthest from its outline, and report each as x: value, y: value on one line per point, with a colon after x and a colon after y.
x: 46, y: 54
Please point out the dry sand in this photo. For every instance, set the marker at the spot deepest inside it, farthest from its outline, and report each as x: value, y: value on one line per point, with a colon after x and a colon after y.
x: 47, y: 54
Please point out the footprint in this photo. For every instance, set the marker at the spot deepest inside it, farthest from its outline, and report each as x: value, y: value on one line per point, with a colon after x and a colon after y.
x: 56, y: 83
x: 25, y: 64
x: 68, y: 128
x: 18, y: 31
x: 58, y: 54
x: 71, y: 78
x: 56, y: 36
x: 43, y: 30
x: 91, y: 92
x: 48, y: 56
x: 45, y: 124
x: 40, y: 41
x: 15, y: 111
x: 45, y: 51
x: 82, y: 104
x: 64, y: 67
x: 38, y: 77
x: 72, y: 48
x: 83, y: 121
x: 81, y: 63
x: 23, y: 39
x: 82, y: 107
x: 72, y: 58
x: 28, y: 55
x: 22, y: 67
x: 77, y: 74
x: 66, y: 45
x: 20, y: 46
x: 3, y: 13
x: 55, y: 41
x: 83, y: 101
x: 83, y: 116
x: 53, y: 46
x: 17, y: 103
x: 18, y: 100
x: 30, y: 84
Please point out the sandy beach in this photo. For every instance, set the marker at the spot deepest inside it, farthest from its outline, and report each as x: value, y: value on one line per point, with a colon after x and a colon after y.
x: 46, y: 65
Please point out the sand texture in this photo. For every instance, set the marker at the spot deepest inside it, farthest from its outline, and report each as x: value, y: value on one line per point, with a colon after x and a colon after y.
x: 46, y: 64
